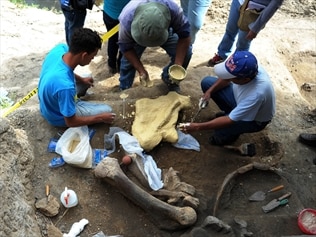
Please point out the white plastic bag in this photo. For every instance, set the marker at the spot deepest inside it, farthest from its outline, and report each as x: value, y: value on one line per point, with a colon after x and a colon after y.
x: 75, y: 148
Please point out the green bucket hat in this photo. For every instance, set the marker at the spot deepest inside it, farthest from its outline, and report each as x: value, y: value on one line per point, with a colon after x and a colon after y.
x: 150, y: 26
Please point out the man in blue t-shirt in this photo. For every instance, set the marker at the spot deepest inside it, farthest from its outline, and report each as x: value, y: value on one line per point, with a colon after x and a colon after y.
x: 59, y: 86
x: 244, y: 93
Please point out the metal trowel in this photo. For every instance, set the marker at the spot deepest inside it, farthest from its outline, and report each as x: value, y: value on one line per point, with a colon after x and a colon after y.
x: 276, y: 202
x: 260, y: 195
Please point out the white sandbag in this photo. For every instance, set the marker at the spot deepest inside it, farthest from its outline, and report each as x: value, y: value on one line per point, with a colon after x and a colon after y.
x: 74, y: 146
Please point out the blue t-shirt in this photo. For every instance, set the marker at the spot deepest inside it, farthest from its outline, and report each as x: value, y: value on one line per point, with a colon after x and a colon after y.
x: 57, y: 88
x: 114, y: 7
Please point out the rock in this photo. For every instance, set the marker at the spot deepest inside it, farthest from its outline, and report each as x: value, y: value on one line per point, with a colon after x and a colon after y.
x: 48, y: 206
x: 53, y: 231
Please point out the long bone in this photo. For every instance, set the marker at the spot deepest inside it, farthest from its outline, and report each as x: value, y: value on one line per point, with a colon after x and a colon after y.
x: 164, y: 215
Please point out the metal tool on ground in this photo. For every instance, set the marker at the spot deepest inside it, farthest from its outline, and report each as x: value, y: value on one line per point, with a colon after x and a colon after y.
x: 260, y: 195
x: 245, y: 149
x: 276, y: 203
x: 123, y: 96
x: 202, y: 105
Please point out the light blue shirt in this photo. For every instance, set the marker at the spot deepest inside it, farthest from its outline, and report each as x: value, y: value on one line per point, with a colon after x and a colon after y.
x: 255, y: 100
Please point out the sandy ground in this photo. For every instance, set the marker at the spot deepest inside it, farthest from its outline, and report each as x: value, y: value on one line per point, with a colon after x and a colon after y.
x: 286, y: 48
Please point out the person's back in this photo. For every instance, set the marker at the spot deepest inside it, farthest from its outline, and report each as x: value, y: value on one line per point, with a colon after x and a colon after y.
x: 255, y: 100
x: 56, y: 79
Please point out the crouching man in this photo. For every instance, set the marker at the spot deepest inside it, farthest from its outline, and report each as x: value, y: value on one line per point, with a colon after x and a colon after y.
x: 244, y: 93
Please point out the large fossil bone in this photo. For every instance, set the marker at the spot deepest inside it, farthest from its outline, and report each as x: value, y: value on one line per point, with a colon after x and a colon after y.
x: 164, y: 215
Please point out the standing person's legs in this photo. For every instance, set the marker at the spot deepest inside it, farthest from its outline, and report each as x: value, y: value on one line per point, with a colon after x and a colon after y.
x: 113, y: 48
x: 195, y: 11
x: 228, y: 135
x: 225, y: 46
x: 73, y: 19
x: 127, y: 71
x: 78, y: 21
x: 85, y: 108
x: 242, y: 43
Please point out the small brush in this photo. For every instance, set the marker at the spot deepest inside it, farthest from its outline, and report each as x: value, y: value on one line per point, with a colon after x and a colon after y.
x: 245, y: 149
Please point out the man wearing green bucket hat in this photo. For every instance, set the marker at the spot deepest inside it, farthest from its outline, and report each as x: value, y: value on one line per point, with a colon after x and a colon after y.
x: 152, y: 23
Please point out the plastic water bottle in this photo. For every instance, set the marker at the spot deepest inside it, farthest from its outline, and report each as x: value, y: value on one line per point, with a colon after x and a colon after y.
x: 98, y: 156
x: 69, y: 198
x: 91, y: 133
x: 52, y: 145
x: 56, y: 162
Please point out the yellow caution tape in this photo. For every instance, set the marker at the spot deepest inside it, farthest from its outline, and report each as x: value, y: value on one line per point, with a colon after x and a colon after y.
x: 19, y: 103
x: 110, y: 33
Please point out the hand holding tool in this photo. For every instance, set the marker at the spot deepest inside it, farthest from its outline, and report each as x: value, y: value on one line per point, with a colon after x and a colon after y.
x: 202, y: 105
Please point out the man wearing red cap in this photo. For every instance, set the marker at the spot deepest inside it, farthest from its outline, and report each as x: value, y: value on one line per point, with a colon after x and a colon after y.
x: 245, y: 94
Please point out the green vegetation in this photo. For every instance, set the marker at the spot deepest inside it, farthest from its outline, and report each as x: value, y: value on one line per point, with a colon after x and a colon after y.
x: 22, y: 4
x: 18, y: 2
x: 5, y: 101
